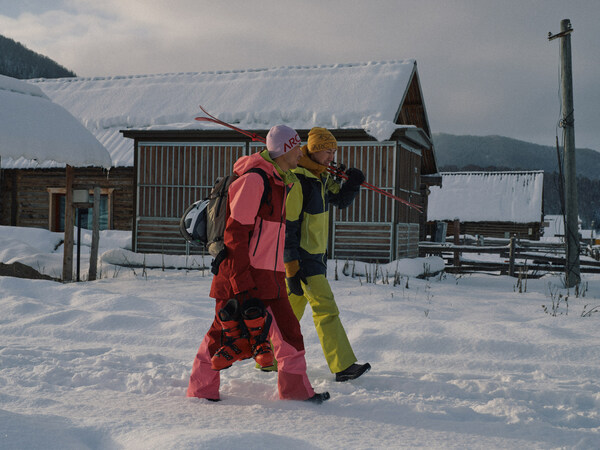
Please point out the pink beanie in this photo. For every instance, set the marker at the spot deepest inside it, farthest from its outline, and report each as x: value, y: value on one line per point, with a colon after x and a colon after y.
x: 281, y: 139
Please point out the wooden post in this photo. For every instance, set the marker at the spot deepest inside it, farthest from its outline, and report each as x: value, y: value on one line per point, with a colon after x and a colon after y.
x: 456, y: 261
x: 67, y: 274
x: 511, y: 258
x: 78, y: 214
x: 95, y: 236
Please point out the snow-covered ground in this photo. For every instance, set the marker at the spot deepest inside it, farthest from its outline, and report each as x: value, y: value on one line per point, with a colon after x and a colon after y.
x: 458, y: 362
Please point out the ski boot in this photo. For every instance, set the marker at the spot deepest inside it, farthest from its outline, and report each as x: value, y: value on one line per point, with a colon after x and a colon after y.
x: 272, y: 368
x: 258, y: 322
x: 352, y: 372
x: 317, y: 399
x: 236, y: 344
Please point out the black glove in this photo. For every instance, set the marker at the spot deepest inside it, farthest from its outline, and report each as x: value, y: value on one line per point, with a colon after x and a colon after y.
x: 293, y: 283
x: 355, y: 177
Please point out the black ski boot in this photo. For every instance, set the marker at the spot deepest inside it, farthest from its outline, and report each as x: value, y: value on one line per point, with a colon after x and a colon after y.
x: 317, y: 399
x: 352, y: 372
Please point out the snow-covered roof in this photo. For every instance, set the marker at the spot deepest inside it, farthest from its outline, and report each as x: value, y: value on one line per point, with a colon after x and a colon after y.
x: 365, y: 95
x: 32, y: 127
x: 488, y: 197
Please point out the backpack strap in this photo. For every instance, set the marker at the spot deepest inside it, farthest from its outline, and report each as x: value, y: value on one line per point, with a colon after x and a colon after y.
x: 267, y: 190
x: 264, y: 199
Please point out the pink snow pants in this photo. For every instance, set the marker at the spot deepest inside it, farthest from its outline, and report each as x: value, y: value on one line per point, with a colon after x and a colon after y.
x: 288, y: 348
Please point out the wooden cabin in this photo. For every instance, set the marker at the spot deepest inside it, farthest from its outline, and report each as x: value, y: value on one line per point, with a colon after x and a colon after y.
x: 490, y: 204
x: 35, y: 197
x: 34, y: 135
x: 375, y: 110
x: 174, y: 169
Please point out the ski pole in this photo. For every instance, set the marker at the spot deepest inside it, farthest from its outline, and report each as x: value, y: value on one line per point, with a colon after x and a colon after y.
x: 256, y: 137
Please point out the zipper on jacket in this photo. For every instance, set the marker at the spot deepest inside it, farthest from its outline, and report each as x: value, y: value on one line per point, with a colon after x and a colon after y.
x: 258, y: 238
x: 324, y: 190
x: 278, y: 238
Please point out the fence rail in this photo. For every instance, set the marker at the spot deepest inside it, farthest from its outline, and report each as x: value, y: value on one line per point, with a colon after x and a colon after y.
x: 533, y: 257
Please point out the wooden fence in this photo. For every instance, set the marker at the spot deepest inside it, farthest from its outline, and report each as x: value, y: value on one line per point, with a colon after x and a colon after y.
x: 533, y: 257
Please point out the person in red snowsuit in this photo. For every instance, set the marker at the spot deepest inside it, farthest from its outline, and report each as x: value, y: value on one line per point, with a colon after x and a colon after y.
x: 253, y: 272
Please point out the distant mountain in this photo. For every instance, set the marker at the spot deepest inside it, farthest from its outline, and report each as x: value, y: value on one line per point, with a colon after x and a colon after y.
x: 493, y: 153
x: 458, y: 152
x: 18, y: 61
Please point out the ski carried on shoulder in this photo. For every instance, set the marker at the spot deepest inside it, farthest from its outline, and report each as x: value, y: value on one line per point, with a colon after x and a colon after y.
x: 333, y: 170
x: 211, y: 118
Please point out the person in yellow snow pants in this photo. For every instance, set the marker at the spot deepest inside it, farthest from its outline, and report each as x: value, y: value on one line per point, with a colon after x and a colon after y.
x: 305, y: 254
x: 334, y: 341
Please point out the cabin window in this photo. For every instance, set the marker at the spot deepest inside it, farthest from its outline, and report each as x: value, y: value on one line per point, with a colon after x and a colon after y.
x: 57, y: 210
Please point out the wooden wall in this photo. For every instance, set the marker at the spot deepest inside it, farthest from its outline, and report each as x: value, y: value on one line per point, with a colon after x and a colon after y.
x: 170, y: 176
x: 25, y: 199
x: 530, y: 231
x: 376, y: 227
x: 413, y: 109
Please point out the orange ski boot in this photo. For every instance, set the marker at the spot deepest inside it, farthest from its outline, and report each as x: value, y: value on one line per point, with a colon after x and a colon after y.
x: 236, y: 345
x: 258, y: 322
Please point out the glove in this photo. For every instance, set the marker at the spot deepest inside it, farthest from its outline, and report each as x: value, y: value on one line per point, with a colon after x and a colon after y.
x: 355, y: 177
x: 293, y: 281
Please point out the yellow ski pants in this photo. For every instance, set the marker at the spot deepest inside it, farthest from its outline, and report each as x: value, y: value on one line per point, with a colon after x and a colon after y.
x: 334, y: 341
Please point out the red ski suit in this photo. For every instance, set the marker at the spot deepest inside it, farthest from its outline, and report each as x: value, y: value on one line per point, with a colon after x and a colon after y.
x: 254, y: 237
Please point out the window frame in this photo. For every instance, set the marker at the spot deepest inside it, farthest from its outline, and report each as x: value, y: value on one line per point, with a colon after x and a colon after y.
x: 53, y: 206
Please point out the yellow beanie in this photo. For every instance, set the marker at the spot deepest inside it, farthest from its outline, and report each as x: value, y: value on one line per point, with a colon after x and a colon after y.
x: 320, y: 139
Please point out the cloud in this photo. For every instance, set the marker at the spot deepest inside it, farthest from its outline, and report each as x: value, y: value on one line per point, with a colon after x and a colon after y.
x: 486, y: 67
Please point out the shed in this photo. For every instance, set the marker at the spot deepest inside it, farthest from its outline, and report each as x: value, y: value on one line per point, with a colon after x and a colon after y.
x: 491, y: 204
x: 37, y: 134
x: 33, y: 127
x: 375, y: 110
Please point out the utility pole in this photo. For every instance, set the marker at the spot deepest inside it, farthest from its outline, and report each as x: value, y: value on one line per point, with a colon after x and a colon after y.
x: 572, y: 273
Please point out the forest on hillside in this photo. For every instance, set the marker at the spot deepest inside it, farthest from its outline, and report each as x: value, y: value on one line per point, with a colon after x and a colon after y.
x: 588, y: 199
x: 17, y: 61
x: 512, y: 154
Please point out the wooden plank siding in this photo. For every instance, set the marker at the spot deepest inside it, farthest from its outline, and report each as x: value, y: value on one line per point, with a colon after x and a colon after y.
x: 531, y: 231
x: 413, y: 109
x: 362, y: 241
x: 172, y: 175
x: 408, y: 183
x: 370, y: 228
x: 407, y: 240
x: 25, y: 195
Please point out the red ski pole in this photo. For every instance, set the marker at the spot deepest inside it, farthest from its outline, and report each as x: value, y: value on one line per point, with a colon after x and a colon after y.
x: 332, y: 170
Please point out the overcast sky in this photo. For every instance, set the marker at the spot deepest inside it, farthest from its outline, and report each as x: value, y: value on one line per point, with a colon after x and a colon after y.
x: 486, y: 66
